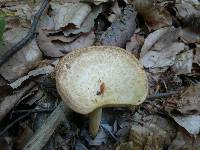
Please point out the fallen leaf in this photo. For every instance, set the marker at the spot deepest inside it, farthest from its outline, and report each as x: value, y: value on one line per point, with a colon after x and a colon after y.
x: 64, y: 39
x: 115, y: 12
x: 162, y: 58
x: 160, y: 49
x: 167, y: 34
x: 46, y: 23
x: 191, y: 123
x: 135, y: 44
x: 100, y: 138
x: 88, y: 24
x: 153, y: 137
x: 191, y: 34
x: 185, y: 10
x: 193, y: 2
x: 80, y: 146
x: 84, y: 40
x: 183, y: 63
x: 187, y: 104
x: 23, y: 60
x: 123, y: 132
x: 69, y: 14
x: 46, y: 46
x: 184, y: 141
x: 126, y: 146
x: 154, y: 17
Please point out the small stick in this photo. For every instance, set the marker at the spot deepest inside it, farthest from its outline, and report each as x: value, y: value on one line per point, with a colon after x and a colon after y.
x: 28, y: 37
x: 33, y: 111
x: 161, y: 95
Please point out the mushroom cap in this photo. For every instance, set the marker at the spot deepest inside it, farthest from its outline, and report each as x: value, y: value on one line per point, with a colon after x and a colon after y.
x: 100, y: 76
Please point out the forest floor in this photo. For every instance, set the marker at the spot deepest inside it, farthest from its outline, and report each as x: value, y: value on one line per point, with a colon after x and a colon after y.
x: 164, y: 35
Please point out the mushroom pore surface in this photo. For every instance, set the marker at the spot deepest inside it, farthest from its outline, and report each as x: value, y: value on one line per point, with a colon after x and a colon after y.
x: 100, y: 76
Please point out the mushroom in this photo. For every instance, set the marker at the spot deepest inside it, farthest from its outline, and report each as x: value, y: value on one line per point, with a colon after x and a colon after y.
x: 90, y: 78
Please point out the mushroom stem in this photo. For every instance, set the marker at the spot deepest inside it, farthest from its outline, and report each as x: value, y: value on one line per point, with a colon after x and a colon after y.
x: 94, y: 121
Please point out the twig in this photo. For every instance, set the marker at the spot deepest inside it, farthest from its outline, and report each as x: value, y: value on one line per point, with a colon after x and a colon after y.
x: 14, y: 122
x: 161, y: 95
x: 34, y: 111
x: 28, y: 37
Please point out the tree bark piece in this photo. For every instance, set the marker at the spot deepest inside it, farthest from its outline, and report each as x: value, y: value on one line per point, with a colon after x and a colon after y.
x: 121, y: 30
x: 41, y: 137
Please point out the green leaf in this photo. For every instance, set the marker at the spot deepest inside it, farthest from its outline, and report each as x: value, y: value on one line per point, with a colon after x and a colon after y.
x: 2, y: 26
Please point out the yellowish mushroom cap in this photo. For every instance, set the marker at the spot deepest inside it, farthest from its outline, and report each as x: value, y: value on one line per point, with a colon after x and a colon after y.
x: 100, y: 76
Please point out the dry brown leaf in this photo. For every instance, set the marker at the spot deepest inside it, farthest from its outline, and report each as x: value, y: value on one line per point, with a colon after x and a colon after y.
x: 191, y: 123
x: 126, y: 146
x: 187, y: 104
x: 185, y: 10
x: 46, y: 46
x: 100, y: 138
x: 191, y: 34
x: 69, y: 14
x: 155, y: 133
x: 23, y: 60
x: 115, y: 12
x: 155, y: 17
x: 84, y: 40
x: 193, y: 2
x: 135, y: 44
x: 183, y: 62
x: 64, y: 39
x: 46, y: 23
x: 184, y: 141
x: 88, y: 24
x: 161, y: 60
x: 160, y: 49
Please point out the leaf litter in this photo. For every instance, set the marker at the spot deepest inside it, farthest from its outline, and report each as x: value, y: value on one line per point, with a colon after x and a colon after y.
x: 164, y: 36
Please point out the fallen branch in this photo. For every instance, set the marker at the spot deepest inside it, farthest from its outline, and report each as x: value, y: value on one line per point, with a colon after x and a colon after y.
x: 28, y: 37
x: 41, y: 137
